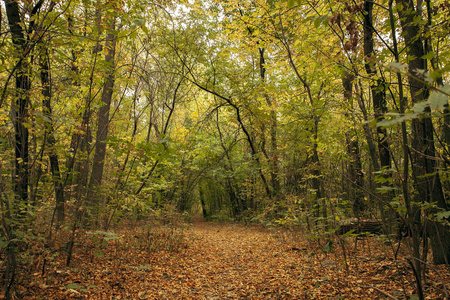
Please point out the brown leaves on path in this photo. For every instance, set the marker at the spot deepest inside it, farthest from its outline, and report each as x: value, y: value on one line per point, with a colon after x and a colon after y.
x: 224, y: 261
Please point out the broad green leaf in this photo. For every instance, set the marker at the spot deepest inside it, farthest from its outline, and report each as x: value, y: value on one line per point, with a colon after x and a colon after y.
x: 439, y: 99
x: 443, y: 215
x: 429, y: 55
x: 395, y: 121
x: 138, y: 22
x: 398, y: 66
x: 420, y: 107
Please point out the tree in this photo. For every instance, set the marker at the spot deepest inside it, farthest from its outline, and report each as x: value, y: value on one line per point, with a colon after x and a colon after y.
x: 425, y: 168
x: 103, y: 120
x: 22, y: 85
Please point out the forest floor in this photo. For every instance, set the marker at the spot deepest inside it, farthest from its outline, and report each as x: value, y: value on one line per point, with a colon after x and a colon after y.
x: 205, y: 260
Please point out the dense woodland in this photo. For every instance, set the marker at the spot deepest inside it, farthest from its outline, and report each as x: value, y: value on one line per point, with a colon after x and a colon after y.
x: 328, y: 118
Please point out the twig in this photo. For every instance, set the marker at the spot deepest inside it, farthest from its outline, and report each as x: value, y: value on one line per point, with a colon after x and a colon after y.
x: 375, y: 288
x: 418, y: 278
x: 437, y: 272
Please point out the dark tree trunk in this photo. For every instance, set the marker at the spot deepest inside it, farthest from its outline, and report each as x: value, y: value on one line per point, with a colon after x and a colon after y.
x: 273, y: 157
x: 424, y: 165
x: 201, y: 193
x: 377, y: 87
x: 20, y: 116
x: 21, y: 171
x: 49, y: 132
x: 252, y: 147
x: 355, y: 166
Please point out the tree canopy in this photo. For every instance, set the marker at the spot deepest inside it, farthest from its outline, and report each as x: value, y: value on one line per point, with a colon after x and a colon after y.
x: 307, y: 114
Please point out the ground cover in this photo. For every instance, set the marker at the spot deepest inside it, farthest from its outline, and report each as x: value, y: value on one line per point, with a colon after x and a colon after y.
x: 204, y: 260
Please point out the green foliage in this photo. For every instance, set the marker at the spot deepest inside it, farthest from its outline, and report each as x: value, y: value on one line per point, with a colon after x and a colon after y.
x: 209, y: 102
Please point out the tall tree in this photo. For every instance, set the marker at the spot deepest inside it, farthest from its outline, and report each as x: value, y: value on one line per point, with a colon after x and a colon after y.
x: 103, y: 118
x: 355, y: 166
x: 423, y: 153
x: 377, y: 85
x: 50, y: 133
x: 22, y: 85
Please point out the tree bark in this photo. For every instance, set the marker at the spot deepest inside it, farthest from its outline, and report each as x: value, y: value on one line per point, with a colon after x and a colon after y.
x: 424, y: 165
x: 367, y: 130
x: 377, y: 86
x: 49, y: 133
x: 273, y: 157
x: 22, y: 84
x: 103, y: 121
x: 355, y: 166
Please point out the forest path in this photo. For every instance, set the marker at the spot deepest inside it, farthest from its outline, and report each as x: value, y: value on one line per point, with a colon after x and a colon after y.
x: 237, y: 261
x: 205, y: 260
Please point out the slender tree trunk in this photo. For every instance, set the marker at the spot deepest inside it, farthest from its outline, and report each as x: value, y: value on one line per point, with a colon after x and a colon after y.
x: 76, y: 137
x: 355, y: 166
x: 273, y: 157
x: 103, y: 121
x: 377, y: 87
x: 237, y: 203
x: 201, y: 192
x: 367, y: 130
x: 49, y: 132
x: 316, y: 172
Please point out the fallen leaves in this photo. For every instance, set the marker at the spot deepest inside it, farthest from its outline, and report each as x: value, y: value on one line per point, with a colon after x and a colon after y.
x: 225, y: 261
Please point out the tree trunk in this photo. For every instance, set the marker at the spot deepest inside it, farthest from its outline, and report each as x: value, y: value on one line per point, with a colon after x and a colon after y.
x: 425, y: 172
x: 21, y: 170
x: 103, y: 121
x: 367, y: 130
x: 355, y: 166
x: 377, y: 87
x: 49, y: 132
x: 273, y: 157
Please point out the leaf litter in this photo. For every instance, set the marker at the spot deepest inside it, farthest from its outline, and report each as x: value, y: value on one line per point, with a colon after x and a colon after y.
x: 225, y: 261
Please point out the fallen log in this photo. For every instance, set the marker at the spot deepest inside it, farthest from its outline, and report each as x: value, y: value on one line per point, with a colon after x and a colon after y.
x: 361, y: 226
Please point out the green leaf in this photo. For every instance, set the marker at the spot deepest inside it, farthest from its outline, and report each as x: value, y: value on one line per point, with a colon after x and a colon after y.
x: 138, y: 22
x: 73, y: 286
x: 443, y: 215
x: 319, y: 20
x: 420, y: 107
x: 384, y: 189
x: 144, y: 29
x: 350, y: 233
x: 398, y: 66
x: 429, y: 55
x: 439, y: 99
x: 394, y: 121
x: 328, y: 247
